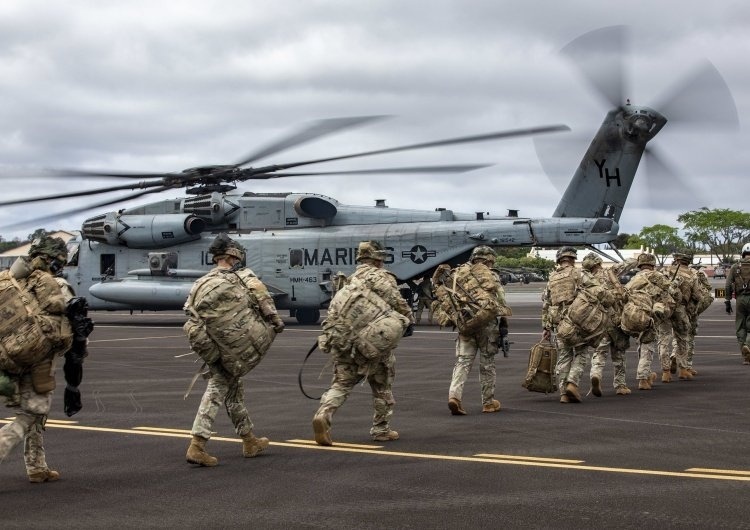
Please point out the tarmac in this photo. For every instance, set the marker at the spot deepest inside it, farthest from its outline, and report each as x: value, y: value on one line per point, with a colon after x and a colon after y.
x: 673, y: 457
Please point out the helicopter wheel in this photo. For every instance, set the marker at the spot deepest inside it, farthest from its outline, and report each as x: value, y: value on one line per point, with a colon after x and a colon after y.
x: 307, y: 316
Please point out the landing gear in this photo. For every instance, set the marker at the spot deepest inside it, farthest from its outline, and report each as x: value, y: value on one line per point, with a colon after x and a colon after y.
x: 307, y: 316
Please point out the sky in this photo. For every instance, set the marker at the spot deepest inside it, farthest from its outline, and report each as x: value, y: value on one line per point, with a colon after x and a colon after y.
x: 163, y: 86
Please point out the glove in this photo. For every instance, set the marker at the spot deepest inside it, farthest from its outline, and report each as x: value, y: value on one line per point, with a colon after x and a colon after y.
x: 729, y: 306
x: 71, y: 400
x: 409, y: 331
x: 277, y: 323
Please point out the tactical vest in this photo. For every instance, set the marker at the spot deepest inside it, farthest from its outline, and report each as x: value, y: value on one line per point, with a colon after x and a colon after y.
x: 225, y: 324
x: 33, y: 324
x: 562, y: 286
x: 360, y: 321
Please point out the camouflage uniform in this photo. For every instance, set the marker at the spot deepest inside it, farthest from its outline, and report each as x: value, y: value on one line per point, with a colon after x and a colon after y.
x: 648, y: 280
x: 615, y: 341
x: 686, y: 281
x: 32, y: 407
x: 483, y: 342
x: 738, y: 283
x: 693, y: 313
x: 571, y: 358
x: 224, y: 388
x: 424, y: 299
x: 350, y: 367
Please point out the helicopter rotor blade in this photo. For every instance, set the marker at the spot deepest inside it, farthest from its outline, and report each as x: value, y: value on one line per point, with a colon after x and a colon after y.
x: 666, y: 183
x: 702, y: 98
x: 251, y: 172
x: 109, y: 174
x: 59, y: 215
x: 72, y: 194
x: 599, y: 55
x: 392, y: 170
x: 314, y: 130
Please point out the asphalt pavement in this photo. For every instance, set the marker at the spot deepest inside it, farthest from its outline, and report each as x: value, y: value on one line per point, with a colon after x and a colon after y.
x: 676, y: 456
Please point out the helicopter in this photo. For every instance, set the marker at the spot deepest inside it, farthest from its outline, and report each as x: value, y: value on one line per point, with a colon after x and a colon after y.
x: 147, y: 257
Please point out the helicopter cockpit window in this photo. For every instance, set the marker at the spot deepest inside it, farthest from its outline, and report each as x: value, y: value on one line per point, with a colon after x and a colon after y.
x: 295, y: 258
x: 107, y: 265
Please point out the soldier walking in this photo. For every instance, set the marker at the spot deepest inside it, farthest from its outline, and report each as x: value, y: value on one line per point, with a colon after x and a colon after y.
x: 378, y: 307
x: 738, y: 283
x: 229, y: 299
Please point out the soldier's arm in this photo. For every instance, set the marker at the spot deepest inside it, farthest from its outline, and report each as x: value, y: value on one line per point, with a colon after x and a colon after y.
x: 729, y: 284
x: 265, y: 302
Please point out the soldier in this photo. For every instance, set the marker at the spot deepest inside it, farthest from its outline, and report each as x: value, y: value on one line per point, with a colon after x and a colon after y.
x: 424, y: 299
x: 351, y: 362
x: 242, y: 290
x: 338, y: 282
x: 615, y: 341
x: 564, y: 286
x: 694, y: 310
x: 738, y: 283
x: 690, y: 295
x: 483, y: 341
x: 656, y: 288
x: 35, y: 384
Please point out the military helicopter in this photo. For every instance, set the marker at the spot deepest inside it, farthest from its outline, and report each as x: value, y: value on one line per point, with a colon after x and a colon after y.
x: 147, y: 257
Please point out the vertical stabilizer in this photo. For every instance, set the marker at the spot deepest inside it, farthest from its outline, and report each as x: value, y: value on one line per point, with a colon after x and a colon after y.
x: 602, y: 181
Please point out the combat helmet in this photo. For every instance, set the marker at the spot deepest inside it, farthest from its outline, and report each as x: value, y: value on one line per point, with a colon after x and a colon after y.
x: 483, y: 252
x: 224, y: 245
x: 590, y: 261
x: 645, y: 259
x: 566, y: 252
x: 684, y: 256
x: 50, y: 247
x: 370, y: 250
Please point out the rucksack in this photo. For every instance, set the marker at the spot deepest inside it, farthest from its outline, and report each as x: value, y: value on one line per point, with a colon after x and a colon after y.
x: 222, y: 326
x: 359, y: 319
x: 584, y: 321
x: 540, y: 375
x: 30, y: 334
x: 467, y: 297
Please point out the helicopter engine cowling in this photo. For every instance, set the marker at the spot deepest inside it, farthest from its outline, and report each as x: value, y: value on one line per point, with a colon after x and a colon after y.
x: 143, y: 231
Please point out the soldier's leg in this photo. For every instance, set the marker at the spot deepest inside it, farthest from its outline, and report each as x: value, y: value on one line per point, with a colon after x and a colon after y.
x: 742, y: 325
x: 236, y: 408
x: 381, y: 378
x: 664, y: 347
x: 487, y: 376
x: 599, y: 357
x: 420, y: 308
x: 466, y: 351
x: 33, y: 448
x: 619, y: 366
x: 564, y: 359
x: 345, y: 376
x: 213, y: 398
x: 581, y: 356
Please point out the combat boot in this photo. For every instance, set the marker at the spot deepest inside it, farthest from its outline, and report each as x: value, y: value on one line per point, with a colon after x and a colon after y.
x: 644, y: 384
x: 693, y: 371
x: 746, y: 354
x: 622, y: 390
x: 666, y: 377
x: 48, y: 475
x: 251, y: 445
x: 564, y: 399
x: 571, y: 390
x: 492, y: 406
x: 196, y: 453
x: 685, y: 374
x: 455, y: 407
x: 322, y: 431
x: 387, y: 436
x: 596, y: 386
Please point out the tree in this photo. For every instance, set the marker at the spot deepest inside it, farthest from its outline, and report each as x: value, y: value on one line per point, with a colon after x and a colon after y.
x: 634, y: 241
x: 621, y: 241
x: 662, y: 239
x: 38, y: 233
x: 720, y: 231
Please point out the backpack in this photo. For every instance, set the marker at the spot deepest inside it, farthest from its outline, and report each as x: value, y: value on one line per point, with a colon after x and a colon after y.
x: 359, y: 319
x: 222, y: 326
x: 540, y: 376
x: 584, y: 322
x: 467, y: 297
x: 32, y: 329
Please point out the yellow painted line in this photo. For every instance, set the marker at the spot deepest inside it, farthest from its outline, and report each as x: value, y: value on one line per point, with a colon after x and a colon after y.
x: 353, y: 446
x: 62, y: 422
x: 530, y: 458
x: 732, y: 475
x: 159, y: 429
x: 720, y: 471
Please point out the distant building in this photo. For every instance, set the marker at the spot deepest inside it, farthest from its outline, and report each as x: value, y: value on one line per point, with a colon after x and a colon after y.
x: 9, y: 256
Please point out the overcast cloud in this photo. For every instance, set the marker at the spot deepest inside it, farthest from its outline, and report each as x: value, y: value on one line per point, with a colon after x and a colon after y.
x: 163, y: 86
